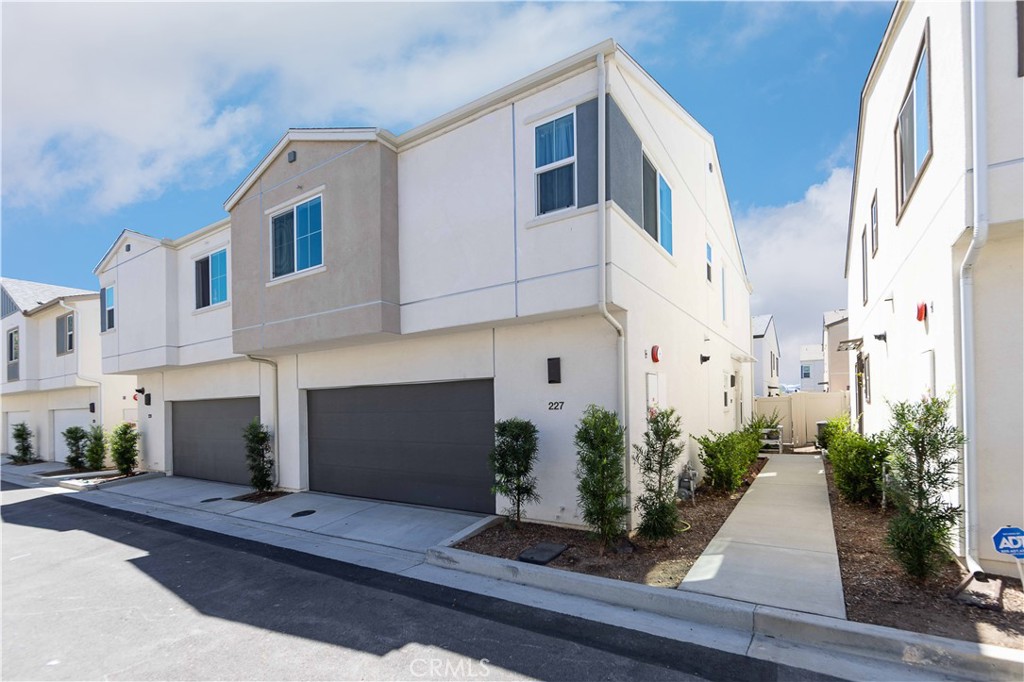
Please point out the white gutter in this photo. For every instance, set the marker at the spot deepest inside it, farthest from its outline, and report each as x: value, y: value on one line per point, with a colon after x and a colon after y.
x: 979, y: 143
x: 277, y: 440
x: 602, y: 270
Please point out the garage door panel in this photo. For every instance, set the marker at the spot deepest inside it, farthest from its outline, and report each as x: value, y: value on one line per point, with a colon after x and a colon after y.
x: 419, y: 443
x: 207, y: 438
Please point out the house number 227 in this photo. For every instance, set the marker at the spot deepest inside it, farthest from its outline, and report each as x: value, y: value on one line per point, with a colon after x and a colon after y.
x: 556, y: 405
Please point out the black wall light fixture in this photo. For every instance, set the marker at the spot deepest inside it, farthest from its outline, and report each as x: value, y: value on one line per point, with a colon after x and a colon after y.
x: 704, y: 358
x: 881, y: 337
x: 140, y: 390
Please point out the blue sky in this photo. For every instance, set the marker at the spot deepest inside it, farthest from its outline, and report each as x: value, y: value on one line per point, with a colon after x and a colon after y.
x: 148, y: 116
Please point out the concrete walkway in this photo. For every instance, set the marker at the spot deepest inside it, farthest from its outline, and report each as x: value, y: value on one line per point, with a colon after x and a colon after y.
x: 778, y: 547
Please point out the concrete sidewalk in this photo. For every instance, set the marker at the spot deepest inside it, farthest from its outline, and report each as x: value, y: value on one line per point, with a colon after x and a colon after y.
x: 778, y: 547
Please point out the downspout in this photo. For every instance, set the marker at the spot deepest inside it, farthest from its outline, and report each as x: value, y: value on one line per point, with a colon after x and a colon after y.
x: 979, y: 143
x: 277, y: 440
x: 602, y: 269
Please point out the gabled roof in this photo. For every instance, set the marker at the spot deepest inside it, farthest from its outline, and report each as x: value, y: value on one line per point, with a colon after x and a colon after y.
x: 759, y: 325
x: 155, y: 241
x: 33, y: 296
x: 117, y: 244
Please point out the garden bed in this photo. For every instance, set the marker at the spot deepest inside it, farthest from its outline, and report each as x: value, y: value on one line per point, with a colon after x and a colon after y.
x: 877, y: 590
x: 259, y: 498
x: 651, y: 563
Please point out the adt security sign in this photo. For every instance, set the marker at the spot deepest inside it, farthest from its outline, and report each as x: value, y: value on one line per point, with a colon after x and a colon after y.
x: 1010, y: 540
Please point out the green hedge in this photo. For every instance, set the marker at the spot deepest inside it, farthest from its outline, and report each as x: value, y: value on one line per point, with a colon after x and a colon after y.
x: 728, y: 456
x: 857, y: 462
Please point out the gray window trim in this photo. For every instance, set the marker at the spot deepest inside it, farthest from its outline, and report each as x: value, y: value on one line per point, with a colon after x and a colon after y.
x: 65, y: 334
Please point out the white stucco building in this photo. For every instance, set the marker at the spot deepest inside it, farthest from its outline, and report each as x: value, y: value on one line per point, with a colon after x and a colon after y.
x: 934, y: 253
x: 835, y: 328
x: 398, y: 294
x: 52, y: 377
x: 812, y: 368
x: 766, y: 351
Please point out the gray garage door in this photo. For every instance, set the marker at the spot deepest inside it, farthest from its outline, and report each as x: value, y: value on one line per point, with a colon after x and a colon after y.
x: 207, y: 438
x: 417, y: 443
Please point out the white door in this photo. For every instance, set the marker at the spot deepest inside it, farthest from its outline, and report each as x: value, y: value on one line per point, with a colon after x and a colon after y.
x: 12, y: 418
x: 62, y: 419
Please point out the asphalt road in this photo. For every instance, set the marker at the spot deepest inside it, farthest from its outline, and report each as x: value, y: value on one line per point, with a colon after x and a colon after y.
x: 91, y: 593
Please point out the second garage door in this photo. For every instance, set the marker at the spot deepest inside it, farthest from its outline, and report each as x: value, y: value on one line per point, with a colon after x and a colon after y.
x: 416, y: 443
x: 207, y: 438
x: 62, y: 419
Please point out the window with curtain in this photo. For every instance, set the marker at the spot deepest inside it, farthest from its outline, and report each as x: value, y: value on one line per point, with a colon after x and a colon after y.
x: 212, y: 279
x: 555, y: 164
x: 298, y: 238
x: 913, y: 128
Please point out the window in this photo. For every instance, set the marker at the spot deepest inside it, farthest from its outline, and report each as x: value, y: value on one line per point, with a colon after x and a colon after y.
x: 874, y: 225
x: 657, y: 205
x: 106, y: 309
x: 297, y: 239
x: 1020, y: 39
x: 805, y: 371
x: 867, y: 379
x: 212, y: 279
x: 913, y: 128
x: 864, y: 264
x: 555, y: 143
x: 13, y: 353
x: 709, y: 261
x: 723, y: 294
x: 66, y: 334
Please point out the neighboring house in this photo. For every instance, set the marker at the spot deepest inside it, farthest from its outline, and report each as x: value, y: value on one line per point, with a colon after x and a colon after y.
x: 52, y: 377
x: 835, y: 328
x: 935, y: 248
x: 766, y: 351
x: 398, y: 294
x: 812, y: 368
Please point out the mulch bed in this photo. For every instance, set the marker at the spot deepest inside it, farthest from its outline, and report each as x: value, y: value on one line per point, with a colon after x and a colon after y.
x: 639, y: 561
x: 878, y: 591
x: 62, y: 472
x: 259, y: 498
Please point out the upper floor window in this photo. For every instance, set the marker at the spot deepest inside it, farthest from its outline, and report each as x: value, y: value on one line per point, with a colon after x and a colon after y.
x: 297, y: 238
x: 66, y: 334
x: 13, y: 354
x: 555, y: 164
x: 212, y: 279
x: 805, y: 371
x: 710, y: 261
x: 106, y: 308
x: 874, y: 225
x: 657, y: 206
x: 722, y: 275
x: 913, y: 128
x: 864, y: 265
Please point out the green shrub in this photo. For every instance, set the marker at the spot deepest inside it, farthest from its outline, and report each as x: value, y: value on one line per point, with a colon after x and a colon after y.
x: 258, y: 449
x: 727, y: 457
x: 834, y: 426
x: 857, y: 465
x: 124, y: 447
x: 600, y: 452
x: 75, y: 438
x: 656, y: 459
x: 512, y: 460
x: 759, y: 422
x: 923, y: 468
x: 96, y: 448
x: 23, y: 450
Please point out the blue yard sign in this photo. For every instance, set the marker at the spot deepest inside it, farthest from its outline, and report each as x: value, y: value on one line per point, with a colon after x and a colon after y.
x: 1010, y: 540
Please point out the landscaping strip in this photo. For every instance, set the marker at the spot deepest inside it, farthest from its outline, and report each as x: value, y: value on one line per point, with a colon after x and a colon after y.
x: 95, y: 483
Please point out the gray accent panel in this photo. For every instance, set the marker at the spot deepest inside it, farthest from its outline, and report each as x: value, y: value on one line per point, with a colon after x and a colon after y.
x: 416, y: 443
x: 586, y: 153
x: 625, y: 164
x: 7, y: 304
x: 207, y: 438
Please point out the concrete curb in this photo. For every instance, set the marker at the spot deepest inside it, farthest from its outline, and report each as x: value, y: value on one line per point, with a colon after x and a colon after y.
x: 891, y: 646
x: 471, y: 531
x: 78, y: 475
x: 73, y: 484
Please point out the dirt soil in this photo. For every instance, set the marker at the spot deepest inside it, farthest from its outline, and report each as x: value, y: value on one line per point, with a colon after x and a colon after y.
x: 62, y: 472
x: 877, y: 590
x: 662, y: 564
x: 259, y: 498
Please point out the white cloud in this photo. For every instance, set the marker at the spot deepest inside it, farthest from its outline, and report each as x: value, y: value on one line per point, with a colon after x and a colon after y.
x: 795, y: 256
x: 121, y: 101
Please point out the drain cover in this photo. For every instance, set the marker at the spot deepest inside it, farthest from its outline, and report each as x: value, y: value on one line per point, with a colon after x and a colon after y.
x: 304, y: 512
x: 211, y: 499
x: 542, y: 553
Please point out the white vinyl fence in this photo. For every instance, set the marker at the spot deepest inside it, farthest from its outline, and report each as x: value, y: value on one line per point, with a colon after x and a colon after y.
x: 800, y: 412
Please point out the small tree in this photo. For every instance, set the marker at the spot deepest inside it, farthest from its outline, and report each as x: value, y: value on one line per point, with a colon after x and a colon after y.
x: 96, y: 448
x: 512, y: 460
x: 923, y: 467
x: 656, y: 459
x: 23, y: 450
x: 124, y: 447
x: 75, y: 437
x: 602, y: 488
x: 258, y: 448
